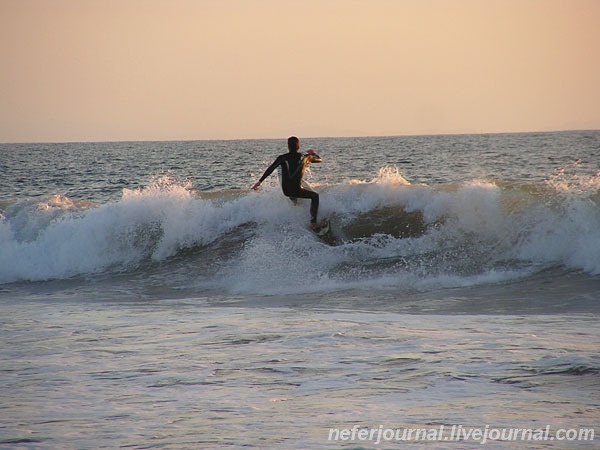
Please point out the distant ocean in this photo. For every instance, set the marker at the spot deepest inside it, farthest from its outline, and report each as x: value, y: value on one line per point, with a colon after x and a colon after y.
x: 149, y: 299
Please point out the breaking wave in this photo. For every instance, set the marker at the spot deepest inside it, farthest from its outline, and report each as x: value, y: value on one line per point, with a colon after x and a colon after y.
x: 385, y: 233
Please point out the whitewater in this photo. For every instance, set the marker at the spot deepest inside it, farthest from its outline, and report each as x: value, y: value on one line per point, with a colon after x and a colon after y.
x: 149, y: 298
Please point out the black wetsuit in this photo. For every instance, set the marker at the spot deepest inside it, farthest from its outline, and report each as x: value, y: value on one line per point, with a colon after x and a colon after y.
x: 292, y: 169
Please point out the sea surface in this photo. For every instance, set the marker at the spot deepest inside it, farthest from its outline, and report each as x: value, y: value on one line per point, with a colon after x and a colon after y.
x: 150, y: 299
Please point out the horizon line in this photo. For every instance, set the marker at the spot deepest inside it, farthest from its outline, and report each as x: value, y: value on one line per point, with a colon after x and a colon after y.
x: 303, y: 138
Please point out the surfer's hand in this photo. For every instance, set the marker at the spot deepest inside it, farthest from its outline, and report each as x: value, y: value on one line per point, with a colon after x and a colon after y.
x: 256, y: 185
x: 314, y: 158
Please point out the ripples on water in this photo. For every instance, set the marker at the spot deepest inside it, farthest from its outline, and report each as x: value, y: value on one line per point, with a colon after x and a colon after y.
x: 99, y: 171
x: 126, y: 324
x: 174, y: 374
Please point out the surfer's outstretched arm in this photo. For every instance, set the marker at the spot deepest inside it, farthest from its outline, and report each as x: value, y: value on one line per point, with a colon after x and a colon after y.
x: 268, y: 172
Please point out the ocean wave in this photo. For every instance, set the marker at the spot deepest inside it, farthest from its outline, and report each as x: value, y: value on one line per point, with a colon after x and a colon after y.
x: 385, y: 233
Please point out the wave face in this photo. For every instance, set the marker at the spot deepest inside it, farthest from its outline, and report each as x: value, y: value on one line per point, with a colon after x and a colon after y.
x: 386, y: 234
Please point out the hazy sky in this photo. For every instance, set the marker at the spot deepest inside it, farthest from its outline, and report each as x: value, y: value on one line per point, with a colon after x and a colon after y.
x: 96, y: 70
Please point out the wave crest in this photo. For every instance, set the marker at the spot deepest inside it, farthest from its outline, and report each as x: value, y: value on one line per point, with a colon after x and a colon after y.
x: 387, y: 231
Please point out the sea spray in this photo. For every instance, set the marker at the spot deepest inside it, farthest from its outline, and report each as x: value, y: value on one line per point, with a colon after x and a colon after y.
x: 385, y: 231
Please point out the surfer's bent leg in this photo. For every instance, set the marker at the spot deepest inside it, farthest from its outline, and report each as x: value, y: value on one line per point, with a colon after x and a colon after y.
x: 314, y: 202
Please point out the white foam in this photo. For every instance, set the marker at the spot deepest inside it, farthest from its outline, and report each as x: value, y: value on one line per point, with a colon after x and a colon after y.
x: 474, y: 226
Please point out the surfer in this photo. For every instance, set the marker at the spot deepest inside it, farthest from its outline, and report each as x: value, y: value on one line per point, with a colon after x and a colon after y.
x: 291, y: 169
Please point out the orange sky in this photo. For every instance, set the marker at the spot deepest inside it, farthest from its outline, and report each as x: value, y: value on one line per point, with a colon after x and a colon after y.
x: 96, y: 70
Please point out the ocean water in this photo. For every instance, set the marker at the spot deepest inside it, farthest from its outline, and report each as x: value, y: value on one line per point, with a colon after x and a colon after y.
x: 149, y: 299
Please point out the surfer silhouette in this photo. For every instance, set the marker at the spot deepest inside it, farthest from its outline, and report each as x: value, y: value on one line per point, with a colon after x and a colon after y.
x: 291, y: 170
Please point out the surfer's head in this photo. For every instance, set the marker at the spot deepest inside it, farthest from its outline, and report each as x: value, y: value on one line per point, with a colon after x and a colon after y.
x: 293, y: 144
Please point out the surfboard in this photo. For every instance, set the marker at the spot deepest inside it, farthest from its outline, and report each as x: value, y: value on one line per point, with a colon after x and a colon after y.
x: 322, y: 228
